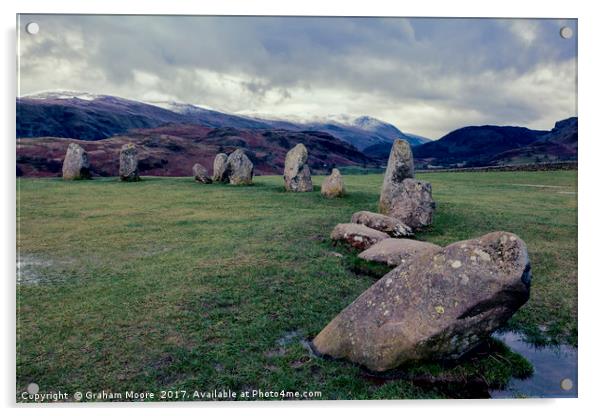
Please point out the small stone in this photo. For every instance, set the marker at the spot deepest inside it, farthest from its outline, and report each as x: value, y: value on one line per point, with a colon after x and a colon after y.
x: 200, y: 173
x: 357, y: 235
x: 333, y: 186
x: 396, y: 251
x: 380, y: 222
x: 456, y: 264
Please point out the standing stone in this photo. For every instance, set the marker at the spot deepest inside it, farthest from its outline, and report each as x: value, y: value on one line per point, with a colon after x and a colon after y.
x: 297, y: 177
x: 200, y: 173
x: 219, y: 168
x: 239, y: 168
x: 435, y: 306
x: 333, y: 186
x: 128, y: 163
x: 403, y: 197
x: 400, y: 165
x: 413, y: 205
x: 76, y: 164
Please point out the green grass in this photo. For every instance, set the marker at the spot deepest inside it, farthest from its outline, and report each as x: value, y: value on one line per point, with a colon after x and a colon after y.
x: 169, y: 284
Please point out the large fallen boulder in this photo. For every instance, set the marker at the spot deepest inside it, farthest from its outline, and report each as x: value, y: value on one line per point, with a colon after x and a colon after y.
x: 200, y: 173
x: 76, y: 164
x: 397, y: 251
x: 297, y: 176
x: 239, y: 168
x: 412, y: 204
x: 357, y: 235
x: 436, y: 306
x: 219, y: 168
x: 384, y: 223
x: 128, y: 163
x: 333, y: 186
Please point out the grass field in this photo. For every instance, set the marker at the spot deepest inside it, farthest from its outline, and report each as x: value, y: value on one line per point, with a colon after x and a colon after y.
x: 169, y: 284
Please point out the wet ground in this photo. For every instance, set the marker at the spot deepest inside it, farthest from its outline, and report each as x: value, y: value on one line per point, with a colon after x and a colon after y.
x: 29, y: 270
x: 554, y: 373
x: 555, y: 370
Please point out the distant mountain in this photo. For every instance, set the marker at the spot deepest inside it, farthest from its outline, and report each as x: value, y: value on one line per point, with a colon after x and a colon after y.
x: 86, y: 116
x: 494, y: 145
x: 386, y: 131
x: 95, y: 117
x: 419, y: 139
x: 195, y: 114
x: 361, y: 132
x: 172, y: 150
x: 560, y: 144
x: 365, y: 132
x: 354, y: 140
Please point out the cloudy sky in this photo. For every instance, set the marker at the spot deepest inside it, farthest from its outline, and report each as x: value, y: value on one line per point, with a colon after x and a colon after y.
x: 426, y: 76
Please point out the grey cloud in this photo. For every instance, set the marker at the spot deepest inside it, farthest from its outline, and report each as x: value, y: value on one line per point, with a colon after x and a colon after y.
x: 460, y: 71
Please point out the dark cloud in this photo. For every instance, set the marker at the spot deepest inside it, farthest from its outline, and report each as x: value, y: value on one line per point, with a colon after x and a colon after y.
x: 427, y: 76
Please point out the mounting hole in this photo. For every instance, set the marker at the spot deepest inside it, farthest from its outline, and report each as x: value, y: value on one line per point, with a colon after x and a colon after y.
x: 33, y: 388
x: 566, y: 384
x: 566, y: 32
x: 32, y: 28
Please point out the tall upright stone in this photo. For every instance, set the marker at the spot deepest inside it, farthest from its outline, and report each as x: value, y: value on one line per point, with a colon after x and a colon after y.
x: 403, y: 197
x: 399, y: 167
x: 297, y: 176
x: 219, y: 168
x: 239, y: 168
x: 76, y: 164
x: 128, y: 163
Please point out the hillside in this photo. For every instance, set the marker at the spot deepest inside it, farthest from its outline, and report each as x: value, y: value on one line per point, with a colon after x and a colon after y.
x: 560, y: 144
x: 380, y: 151
x: 492, y: 145
x: 365, y: 132
x: 172, y: 150
x: 95, y: 117
x: 86, y: 117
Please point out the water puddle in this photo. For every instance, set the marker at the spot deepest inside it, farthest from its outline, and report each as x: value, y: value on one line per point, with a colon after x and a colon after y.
x: 555, y: 370
x: 29, y: 270
x: 554, y: 374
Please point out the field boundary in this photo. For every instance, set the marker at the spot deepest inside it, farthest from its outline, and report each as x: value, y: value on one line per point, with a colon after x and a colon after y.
x: 572, y: 165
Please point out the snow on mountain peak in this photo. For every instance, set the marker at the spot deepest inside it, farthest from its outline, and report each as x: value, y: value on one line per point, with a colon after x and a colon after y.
x: 62, y: 95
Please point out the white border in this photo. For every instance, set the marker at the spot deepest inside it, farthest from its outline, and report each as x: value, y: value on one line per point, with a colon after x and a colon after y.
x: 590, y: 153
